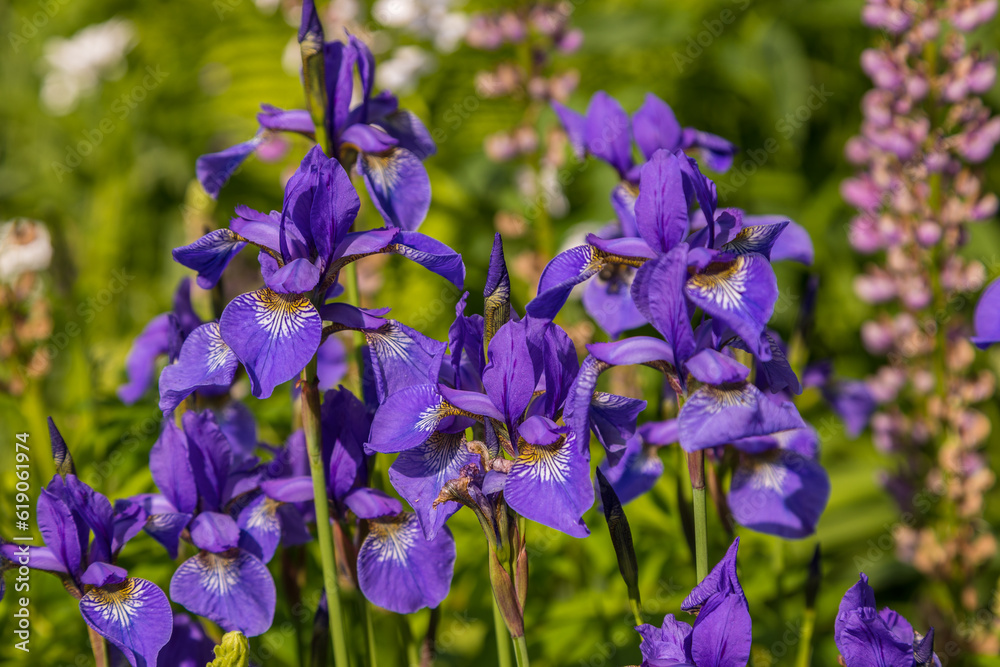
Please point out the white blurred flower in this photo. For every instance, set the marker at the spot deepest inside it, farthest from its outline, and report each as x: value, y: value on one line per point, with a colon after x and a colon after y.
x: 427, y: 19
x: 78, y: 64
x: 403, y: 70
x: 25, y: 246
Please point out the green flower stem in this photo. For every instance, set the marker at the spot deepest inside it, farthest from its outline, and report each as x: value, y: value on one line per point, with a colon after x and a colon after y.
x: 366, y: 610
x: 696, y: 470
x: 503, y: 648
x: 521, y: 651
x: 804, y: 656
x: 99, y: 646
x: 313, y: 430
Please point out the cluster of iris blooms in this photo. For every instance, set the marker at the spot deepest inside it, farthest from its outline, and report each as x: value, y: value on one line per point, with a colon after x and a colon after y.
x: 498, y: 418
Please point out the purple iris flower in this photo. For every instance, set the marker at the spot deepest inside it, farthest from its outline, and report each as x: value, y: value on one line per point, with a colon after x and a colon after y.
x: 387, y: 144
x: 516, y: 391
x: 721, y: 635
x: 206, y: 491
x: 189, y: 645
x: 607, y: 133
x: 84, y: 534
x: 276, y: 330
x: 867, y: 637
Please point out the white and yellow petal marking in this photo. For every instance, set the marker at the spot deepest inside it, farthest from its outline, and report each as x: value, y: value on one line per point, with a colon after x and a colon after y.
x: 264, y: 517
x: 546, y: 463
x: 723, y: 397
x: 120, y: 603
x: 756, y: 238
x: 219, y: 353
x: 282, y: 315
x: 723, y: 284
x: 391, y: 539
x: 217, y: 573
x: 383, y: 168
x: 766, y: 472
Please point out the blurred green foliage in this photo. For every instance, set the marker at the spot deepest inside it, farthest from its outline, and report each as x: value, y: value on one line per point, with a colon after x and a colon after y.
x: 119, y: 212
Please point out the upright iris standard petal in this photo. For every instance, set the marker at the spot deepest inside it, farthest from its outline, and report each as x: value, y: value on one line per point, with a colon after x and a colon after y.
x: 987, y: 317
x: 574, y: 124
x: 566, y: 270
x: 420, y: 473
x: 721, y: 636
x: 61, y: 533
x: 864, y: 639
x: 779, y: 492
x: 205, y: 361
x: 274, y: 335
x: 496, y: 310
x: 399, y: 186
x: 432, y: 255
x: 133, y: 614
x: 655, y: 126
x: 607, y: 132
x: 512, y: 372
x: 740, y: 293
x: 210, y: 255
x: 154, y: 340
x: 233, y: 589
x: 214, y: 169
x: 658, y: 294
x: 721, y: 580
x: 170, y: 465
x: 661, y: 209
x: 714, y: 416
x: 400, y: 570
x: 551, y: 484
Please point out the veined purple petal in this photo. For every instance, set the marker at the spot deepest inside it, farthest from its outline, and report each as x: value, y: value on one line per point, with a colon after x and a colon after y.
x: 623, y: 200
x: 129, y: 518
x: 864, y: 639
x: 566, y: 270
x: 296, y: 277
x: 134, y: 615
x: 215, y: 532
x: 655, y: 126
x: 741, y: 294
x: 279, y: 120
x: 715, y: 416
x: 260, y: 521
x: 400, y: 570
x: 779, y: 492
x: 210, y: 255
x: 496, y: 292
x: 402, y: 357
x: 755, y: 239
x: 166, y: 528
x: 717, y: 152
x: 793, y: 244
x: 233, y: 589
x: 409, y: 131
x: 214, y: 169
x: 398, y: 185
x: 667, y: 646
x: 574, y: 123
x: 559, y: 362
x: 512, y: 372
x: 170, y: 465
x: 721, y: 580
x: 658, y: 294
x: 712, y: 367
x: 721, y: 636
x: 431, y: 254
x: 368, y: 139
x: 61, y: 533
x: 613, y: 419
x: 607, y: 133
x: 407, y: 418
x: 154, y: 340
x: 551, y: 484
x: 338, y: 64
x: 636, y: 472
x: 987, y: 317
x: 205, y: 361
x: 211, y: 457
x: 37, y: 558
x: 661, y: 209
x: 274, y: 335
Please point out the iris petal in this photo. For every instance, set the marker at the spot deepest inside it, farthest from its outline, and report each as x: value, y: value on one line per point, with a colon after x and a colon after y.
x: 210, y: 255
x: 205, y: 361
x: 779, y: 493
x: 400, y: 570
x: 134, y: 615
x: 399, y: 186
x: 566, y: 270
x: 233, y: 589
x: 274, y: 335
x: 714, y: 416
